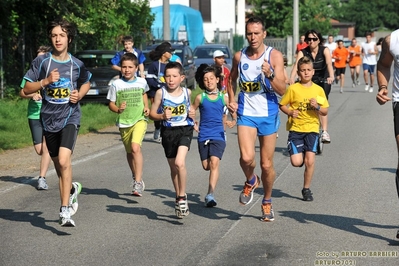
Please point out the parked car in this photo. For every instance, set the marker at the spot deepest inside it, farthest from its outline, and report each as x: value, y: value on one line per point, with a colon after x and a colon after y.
x: 186, y: 55
x: 203, y: 54
x: 98, y: 62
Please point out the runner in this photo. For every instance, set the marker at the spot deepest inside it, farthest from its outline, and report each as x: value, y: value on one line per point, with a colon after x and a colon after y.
x: 260, y: 70
x: 64, y: 81
x: 211, y: 136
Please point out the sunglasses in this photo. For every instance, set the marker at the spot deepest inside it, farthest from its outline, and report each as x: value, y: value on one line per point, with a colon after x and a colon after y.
x: 312, y: 39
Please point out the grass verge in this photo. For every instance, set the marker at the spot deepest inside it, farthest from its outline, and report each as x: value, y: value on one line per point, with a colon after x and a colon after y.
x: 14, y: 128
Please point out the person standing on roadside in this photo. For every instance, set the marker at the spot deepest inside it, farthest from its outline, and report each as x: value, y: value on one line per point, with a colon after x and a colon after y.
x: 389, y: 55
x: 355, y: 61
x: 128, y: 98
x: 341, y: 57
x: 369, y: 52
x: 63, y: 81
x: 324, y: 73
x: 260, y: 70
x: 128, y: 44
x: 36, y: 128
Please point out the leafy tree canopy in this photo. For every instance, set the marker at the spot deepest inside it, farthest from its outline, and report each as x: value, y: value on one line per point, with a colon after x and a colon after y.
x: 100, y: 25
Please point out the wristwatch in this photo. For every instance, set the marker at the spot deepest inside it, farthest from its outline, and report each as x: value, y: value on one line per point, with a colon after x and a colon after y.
x: 271, y: 76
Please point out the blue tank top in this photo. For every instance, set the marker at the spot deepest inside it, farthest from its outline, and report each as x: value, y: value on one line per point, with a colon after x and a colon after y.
x: 211, y: 119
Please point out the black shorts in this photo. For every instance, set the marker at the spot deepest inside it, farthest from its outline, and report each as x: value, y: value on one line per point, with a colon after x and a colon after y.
x: 211, y: 148
x: 339, y: 71
x: 65, y: 138
x: 302, y: 142
x: 36, y: 130
x: 395, y: 106
x: 174, y: 137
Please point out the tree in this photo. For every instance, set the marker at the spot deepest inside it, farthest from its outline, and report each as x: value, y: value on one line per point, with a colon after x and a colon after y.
x: 313, y: 14
x: 100, y: 25
x: 371, y: 15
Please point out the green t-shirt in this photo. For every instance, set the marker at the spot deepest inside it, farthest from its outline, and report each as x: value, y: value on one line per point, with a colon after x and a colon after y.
x: 33, y: 106
x: 130, y: 92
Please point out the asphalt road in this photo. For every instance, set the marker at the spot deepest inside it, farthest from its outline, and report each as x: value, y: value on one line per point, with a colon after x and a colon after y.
x: 352, y: 221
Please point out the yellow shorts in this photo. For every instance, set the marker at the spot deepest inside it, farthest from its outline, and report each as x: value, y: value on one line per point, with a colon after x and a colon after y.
x: 133, y: 134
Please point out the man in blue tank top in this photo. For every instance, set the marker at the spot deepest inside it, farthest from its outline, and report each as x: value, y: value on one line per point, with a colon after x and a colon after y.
x: 260, y: 70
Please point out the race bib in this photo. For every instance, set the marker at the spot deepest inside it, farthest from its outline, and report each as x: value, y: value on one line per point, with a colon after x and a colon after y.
x: 179, y: 113
x: 251, y: 86
x: 58, y: 92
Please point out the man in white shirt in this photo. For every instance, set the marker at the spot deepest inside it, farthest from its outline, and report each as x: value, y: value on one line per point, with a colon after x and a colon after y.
x: 369, y: 52
x: 331, y: 46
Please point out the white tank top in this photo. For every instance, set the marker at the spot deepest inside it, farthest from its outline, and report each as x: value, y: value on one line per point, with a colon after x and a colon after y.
x: 394, y: 50
x: 369, y: 59
x: 256, y: 97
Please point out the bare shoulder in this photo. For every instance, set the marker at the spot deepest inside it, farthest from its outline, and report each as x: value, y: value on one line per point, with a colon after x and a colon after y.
x: 386, y: 57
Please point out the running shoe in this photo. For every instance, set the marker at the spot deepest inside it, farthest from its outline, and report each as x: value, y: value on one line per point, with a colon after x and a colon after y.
x: 42, y: 184
x: 210, y: 201
x: 358, y: 82
x: 353, y: 85
x: 138, y: 188
x: 325, y: 137
x: 366, y: 88
x: 247, y: 192
x: 73, y: 198
x: 371, y: 89
x: 157, y: 135
x: 341, y: 90
x: 267, y: 212
x: 65, y: 217
x: 307, y: 194
x: 181, y: 207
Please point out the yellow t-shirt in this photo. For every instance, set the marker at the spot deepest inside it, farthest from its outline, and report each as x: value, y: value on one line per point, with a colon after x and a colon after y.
x: 298, y: 97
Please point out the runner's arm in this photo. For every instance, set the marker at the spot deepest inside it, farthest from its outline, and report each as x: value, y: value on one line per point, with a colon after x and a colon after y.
x: 384, y: 71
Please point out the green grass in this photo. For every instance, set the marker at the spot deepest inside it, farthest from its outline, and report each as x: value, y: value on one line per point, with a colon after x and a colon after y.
x: 14, y: 128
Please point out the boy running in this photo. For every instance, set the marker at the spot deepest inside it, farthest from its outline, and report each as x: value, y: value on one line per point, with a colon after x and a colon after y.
x: 211, y: 138
x: 171, y: 106
x: 128, y: 98
x: 64, y: 81
x: 303, y: 102
x: 340, y: 55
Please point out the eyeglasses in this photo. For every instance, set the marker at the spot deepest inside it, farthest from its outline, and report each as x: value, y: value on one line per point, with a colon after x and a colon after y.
x: 312, y: 39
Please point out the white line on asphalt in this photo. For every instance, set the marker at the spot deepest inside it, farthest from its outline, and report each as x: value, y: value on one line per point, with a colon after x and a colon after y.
x: 52, y: 171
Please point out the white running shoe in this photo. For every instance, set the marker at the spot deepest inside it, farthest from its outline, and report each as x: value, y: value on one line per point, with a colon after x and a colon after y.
x: 341, y: 90
x: 353, y: 85
x: 181, y: 207
x: 65, y: 217
x: 366, y: 88
x: 42, y: 184
x: 325, y: 137
x: 371, y: 89
x: 73, y: 198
